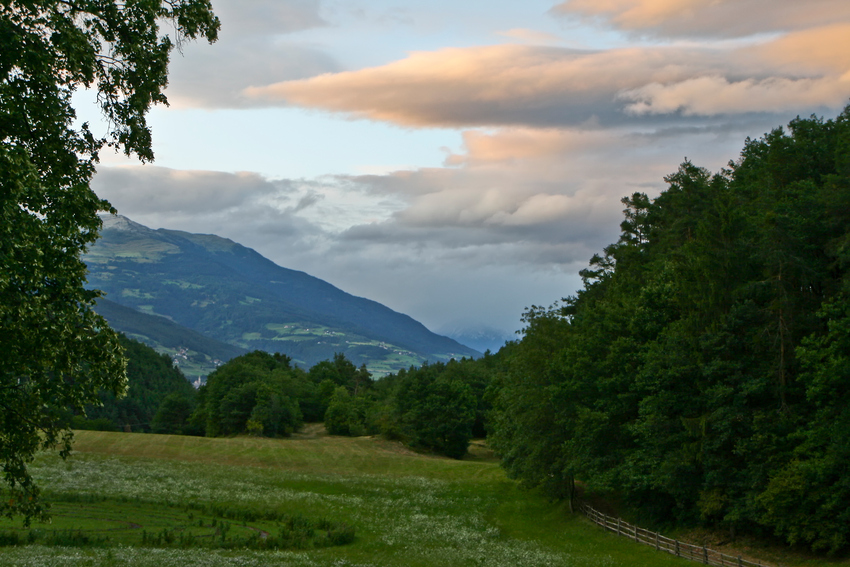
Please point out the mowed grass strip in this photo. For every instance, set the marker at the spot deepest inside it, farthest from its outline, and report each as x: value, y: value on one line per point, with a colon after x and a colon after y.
x: 313, y: 453
x: 407, y: 509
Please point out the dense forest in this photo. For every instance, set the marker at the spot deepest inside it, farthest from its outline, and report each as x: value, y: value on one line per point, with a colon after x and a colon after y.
x: 152, y: 379
x: 702, y: 374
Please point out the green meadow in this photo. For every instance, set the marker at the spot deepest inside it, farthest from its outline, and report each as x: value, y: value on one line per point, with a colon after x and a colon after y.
x: 136, y: 499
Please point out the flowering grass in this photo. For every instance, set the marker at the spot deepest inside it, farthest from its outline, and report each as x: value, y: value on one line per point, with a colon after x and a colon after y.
x: 406, y: 509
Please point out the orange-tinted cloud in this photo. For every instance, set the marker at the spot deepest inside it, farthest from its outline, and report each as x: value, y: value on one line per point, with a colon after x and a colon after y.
x: 818, y: 50
x: 709, y: 18
x: 806, y: 69
x: 524, y: 144
x: 532, y: 180
x: 515, y: 85
x: 707, y: 96
x: 493, y: 85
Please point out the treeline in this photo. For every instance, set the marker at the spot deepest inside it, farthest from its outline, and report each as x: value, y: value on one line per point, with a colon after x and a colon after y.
x: 702, y: 374
x: 438, y: 407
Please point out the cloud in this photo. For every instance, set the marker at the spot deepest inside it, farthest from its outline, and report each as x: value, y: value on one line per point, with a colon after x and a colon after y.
x: 215, y: 76
x: 812, y: 52
x: 221, y: 202
x: 810, y: 69
x: 492, y: 86
x: 276, y: 217
x: 149, y: 189
x: 556, y: 190
x: 708, y: 18
x: 708, y: 96
x: 253, y: 48
x: 516, y: 85
x: 507, y: 222
x: 267, y: 17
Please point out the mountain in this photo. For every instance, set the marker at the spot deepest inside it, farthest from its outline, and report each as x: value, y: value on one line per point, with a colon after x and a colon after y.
x: 231, y: 293
x: 195, y: 354
x: 480, y: 338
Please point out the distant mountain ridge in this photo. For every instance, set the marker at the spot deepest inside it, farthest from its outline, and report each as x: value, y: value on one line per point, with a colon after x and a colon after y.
x: 481, y: 338
x: 233, y: 294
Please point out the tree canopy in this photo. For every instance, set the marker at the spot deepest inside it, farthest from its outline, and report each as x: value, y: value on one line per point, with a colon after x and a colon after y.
x: 702, y: 373
x: 152, y: 378
x: 256, y: 393
x: 57, y: 353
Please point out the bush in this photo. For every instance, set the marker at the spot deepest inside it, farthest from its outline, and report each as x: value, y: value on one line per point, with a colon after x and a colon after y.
x: 81, y: 423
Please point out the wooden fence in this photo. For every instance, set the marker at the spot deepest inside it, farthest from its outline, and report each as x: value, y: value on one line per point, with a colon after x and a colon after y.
x: 675, y: 547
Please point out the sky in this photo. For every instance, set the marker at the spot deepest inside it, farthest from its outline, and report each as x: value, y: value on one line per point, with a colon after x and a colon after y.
x: 460, y: 161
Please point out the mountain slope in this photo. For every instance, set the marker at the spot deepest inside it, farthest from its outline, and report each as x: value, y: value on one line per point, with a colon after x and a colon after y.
x: 195, y: 354
x: 233, y: 294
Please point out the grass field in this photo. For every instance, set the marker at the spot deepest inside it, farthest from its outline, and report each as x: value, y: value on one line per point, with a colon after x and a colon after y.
x: 407, y: 509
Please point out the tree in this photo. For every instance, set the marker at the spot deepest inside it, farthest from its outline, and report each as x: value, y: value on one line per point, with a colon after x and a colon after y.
x: 806, y: 500
x: 57, y: 353
x: 173, y: 414
x: 151, y: 378
x: 436, y: 411
x: 703, y: 373
x: 254, y: 393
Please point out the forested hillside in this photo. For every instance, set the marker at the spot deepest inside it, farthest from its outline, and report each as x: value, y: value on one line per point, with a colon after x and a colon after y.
x: 702, y: 374
x: 151, y: 380
x: 197, y: 354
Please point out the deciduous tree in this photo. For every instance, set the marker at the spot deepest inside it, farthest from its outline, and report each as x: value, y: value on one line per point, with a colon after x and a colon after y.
x: 56, y: 352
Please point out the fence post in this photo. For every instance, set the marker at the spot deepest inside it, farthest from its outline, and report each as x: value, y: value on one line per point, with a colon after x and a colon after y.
x: 739, y: 561
x: 656, y: 541
x: 636, y: 535
x: 678, y: 554
x: 704, y: 555
x: 619, y: 531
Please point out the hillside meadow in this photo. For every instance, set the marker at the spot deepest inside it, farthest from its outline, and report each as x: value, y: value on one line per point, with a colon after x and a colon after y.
x: 407, y: 509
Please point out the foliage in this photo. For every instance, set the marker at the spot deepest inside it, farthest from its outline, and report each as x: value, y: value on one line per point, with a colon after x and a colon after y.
x: 348, y: 396
x: 173, y: 415
x: 806, y: 499
x: 254, y: 393
x: 345, y: 415
x: 436, y: 406
x: 151, y: 379
x: 57, y: 352
x: 692, y: 375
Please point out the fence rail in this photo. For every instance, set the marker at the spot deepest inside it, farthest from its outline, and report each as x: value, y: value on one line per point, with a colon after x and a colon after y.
x: 675, y: 547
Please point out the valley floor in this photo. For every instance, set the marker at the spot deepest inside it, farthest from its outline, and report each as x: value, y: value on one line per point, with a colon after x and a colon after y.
x: 407, y: 509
